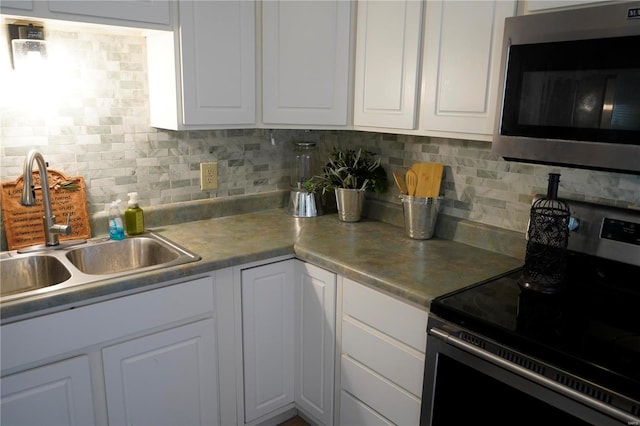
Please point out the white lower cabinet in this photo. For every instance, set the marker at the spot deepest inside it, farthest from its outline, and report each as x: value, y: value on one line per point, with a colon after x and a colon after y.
x: 165, y: 378
x: 267, y: 335
x: 290, y: 337
x: 243, y: 345
x: 353, y: 412
x: 288, y: 332
x: 315, y: 330
x: 383, y: 343
x: 54, y: 394
x: 148, y: 358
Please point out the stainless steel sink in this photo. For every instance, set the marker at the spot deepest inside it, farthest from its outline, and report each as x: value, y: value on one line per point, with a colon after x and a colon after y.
x: 118, y: 256
x: 23, y: 274
x: 38, y: 273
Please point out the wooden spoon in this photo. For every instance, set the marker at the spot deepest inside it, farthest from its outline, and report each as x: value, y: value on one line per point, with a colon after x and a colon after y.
x: 400, y: 183
x: 429, y: 179
x: 412, y: 182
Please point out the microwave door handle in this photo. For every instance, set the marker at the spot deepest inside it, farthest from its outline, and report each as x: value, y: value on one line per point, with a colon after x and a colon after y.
x: 607, y: 104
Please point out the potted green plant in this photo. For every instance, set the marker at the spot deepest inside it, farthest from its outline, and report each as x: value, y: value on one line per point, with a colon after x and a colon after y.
x: 350, y: 174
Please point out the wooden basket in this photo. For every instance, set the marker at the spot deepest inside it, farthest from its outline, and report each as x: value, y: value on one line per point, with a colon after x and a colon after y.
x: 24, y: 226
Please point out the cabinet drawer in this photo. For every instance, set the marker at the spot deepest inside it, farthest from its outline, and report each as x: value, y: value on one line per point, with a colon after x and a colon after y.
x: 400, y: 320
x: 62, y: 332
x: 355, y: 413
x: 393, y: 360
x: 389, y: 400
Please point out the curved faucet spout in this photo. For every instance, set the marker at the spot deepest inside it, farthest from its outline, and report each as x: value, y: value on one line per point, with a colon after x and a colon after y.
x: 51, y: 229
x: 28, y: 193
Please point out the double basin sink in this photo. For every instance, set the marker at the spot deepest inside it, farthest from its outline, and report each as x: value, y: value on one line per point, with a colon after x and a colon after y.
x: 37, y: 273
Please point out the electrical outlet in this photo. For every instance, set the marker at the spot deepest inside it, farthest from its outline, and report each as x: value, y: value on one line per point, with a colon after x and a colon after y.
x: 208, y: 176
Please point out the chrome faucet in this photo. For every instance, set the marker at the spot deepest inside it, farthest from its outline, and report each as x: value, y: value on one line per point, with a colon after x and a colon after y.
x: 51, y: 229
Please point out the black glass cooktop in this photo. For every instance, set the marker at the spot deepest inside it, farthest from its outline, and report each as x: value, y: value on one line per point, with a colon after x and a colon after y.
x: 591, y: 330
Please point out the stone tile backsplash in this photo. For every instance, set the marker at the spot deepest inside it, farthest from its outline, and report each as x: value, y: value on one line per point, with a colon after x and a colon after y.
x: 89, y: 117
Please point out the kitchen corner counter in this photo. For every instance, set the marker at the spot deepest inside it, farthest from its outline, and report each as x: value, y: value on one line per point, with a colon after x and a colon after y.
x: 370, y: 252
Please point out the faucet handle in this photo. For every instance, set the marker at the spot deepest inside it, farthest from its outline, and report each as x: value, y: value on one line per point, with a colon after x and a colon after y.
x: 63, y: 229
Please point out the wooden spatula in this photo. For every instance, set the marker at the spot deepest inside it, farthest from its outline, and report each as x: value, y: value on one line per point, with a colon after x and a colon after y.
x: 429, y: 179
x: 400, y: 183
x: 411, y: 178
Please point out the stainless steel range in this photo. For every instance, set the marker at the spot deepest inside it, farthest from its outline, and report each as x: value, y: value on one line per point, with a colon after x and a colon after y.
x: 505, y: 355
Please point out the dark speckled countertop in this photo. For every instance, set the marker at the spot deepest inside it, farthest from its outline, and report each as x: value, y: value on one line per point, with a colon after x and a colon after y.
x: 370, y: 252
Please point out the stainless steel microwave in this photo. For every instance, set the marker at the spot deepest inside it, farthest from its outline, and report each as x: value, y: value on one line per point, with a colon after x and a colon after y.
x: 570, y: 89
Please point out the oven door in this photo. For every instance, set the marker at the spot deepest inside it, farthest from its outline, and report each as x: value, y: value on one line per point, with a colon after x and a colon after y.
x: 464, y: 384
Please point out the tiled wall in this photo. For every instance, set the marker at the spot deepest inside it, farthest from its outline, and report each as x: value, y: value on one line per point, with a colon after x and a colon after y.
x: 486, y: 189
x: 88, y: 114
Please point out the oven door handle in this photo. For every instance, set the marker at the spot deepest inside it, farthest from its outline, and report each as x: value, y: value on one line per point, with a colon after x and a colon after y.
x: 534, y: 377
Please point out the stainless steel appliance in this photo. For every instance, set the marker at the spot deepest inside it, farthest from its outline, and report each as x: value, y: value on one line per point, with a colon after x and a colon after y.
x: 301, y: 202
x: 570, y: 89
x: 501, y: 355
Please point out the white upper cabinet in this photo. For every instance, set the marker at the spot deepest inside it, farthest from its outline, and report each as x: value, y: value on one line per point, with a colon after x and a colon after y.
x: 16, y: 4
x: 429, y: 72
x: 154, y: 14
x: 207, y: 78
x: 546, y: 5
x: 305, y: 62
x: 461, y: 66
x: 387, y: 63
x: 155, y: 11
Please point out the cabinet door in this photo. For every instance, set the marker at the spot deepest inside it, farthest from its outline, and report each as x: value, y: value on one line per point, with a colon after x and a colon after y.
x: 52, y: 336
x: 155, y: 11
x: 387, y: 63
x: 461, y: 64
x: 16, y: 4
x: 544, y: 5
x: 217, y: 55
x: 305, y: 61
x: 153, y: 14
x: 165, y: 378
x: 315, y: 313
x: 54, y: 394
x: 267, y: 335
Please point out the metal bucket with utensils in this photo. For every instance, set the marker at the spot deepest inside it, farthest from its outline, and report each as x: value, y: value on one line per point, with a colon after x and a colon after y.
x: 420, y: 215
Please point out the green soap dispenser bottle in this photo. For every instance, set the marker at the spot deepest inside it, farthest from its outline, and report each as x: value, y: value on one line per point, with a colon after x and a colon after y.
x: 133, y: 216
